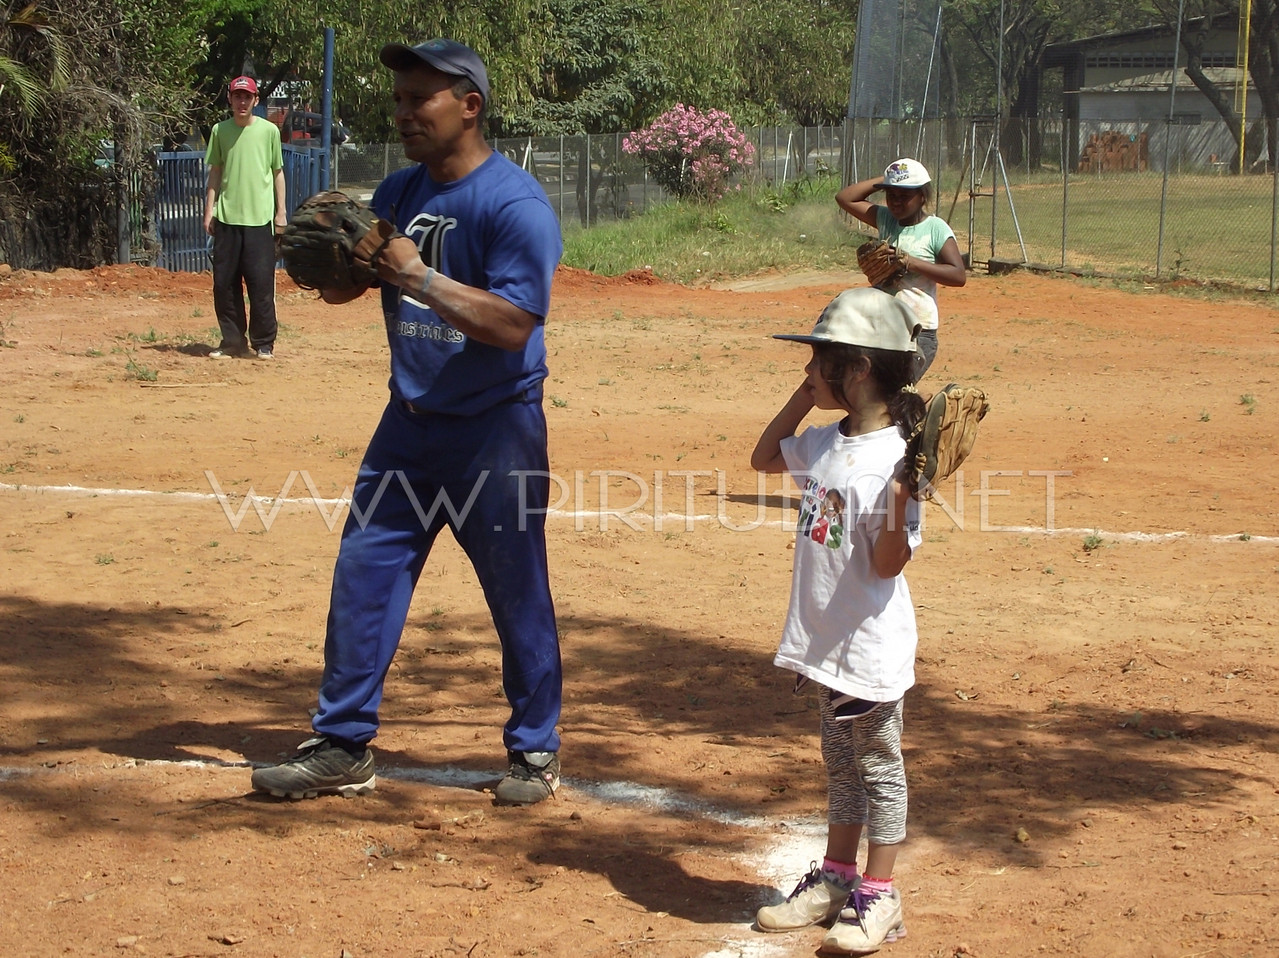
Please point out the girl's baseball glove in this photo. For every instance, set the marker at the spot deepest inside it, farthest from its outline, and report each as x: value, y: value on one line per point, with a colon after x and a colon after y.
x: 942, y: 440
x: 879, y: 262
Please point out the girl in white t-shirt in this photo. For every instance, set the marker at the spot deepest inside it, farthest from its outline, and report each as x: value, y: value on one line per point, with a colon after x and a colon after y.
x: 925, y: 243
x: 851, y: 624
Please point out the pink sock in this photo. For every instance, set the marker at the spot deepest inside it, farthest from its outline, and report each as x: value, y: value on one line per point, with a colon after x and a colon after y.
x: 844, y: 871
x: 877, y: 886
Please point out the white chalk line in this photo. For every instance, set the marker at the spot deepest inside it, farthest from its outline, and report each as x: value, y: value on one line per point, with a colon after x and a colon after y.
x: 623, y: 516
x: 802, y: 840
x: 651, y: 797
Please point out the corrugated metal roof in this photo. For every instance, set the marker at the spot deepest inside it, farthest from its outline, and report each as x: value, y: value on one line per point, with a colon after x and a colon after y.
x: 1225, y: 77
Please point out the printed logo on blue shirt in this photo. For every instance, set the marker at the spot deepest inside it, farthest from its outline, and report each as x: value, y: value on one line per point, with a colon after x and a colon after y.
x: 428, y: 231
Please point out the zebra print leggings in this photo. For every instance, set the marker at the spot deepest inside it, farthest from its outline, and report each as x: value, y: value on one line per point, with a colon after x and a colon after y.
x: 866, y: 776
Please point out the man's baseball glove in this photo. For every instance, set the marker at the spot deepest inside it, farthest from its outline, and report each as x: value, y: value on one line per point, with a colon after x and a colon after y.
x: 879, y: 262
x: 942, y: 440
x: 333, y: 242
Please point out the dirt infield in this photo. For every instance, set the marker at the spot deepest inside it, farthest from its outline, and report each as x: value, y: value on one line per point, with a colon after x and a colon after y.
x: 1093, y: 745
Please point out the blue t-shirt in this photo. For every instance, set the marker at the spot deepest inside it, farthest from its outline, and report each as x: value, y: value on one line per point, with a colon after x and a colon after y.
x: 493, y: 229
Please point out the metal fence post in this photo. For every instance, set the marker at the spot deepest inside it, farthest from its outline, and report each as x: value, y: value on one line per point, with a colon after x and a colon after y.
x: 1274, y: 202
x: 938, y: 166
x: 1163, y: 198
x: 1065, y: 189
x: 972, y: 192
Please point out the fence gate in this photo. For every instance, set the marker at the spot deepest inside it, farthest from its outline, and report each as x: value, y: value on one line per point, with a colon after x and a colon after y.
x: 178, y: 212
x: 178, y: 209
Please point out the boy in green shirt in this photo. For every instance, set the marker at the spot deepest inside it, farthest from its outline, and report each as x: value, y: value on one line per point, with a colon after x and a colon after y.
x: 244, y: 207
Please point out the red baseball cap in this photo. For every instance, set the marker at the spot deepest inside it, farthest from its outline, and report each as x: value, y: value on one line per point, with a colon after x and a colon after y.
x: 245, y: 83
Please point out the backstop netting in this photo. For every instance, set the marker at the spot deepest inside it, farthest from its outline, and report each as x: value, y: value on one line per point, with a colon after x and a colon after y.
x: 895, y: 84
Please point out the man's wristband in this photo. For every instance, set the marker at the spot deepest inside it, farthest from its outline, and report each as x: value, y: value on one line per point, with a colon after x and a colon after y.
x: 426, y: 283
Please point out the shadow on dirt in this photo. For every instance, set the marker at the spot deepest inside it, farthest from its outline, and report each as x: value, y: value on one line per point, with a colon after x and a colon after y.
x: 194, y: 350
x: 121, y: 680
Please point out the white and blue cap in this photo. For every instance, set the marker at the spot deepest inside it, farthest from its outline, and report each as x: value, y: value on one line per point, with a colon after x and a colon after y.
x: 447, y: 56
x: 905, y: 174
x: 865, y: 316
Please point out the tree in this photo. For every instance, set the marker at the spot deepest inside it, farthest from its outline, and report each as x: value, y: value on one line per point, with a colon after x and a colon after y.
x: 289, y: 42
x: 1200, y: 18
x: 1263, y: 67
x: 596, y: 75
x: 796, y: 58
x: 33, y: 57
x: 80, y: 72
x: 1028, y: 26
x: 34, y: 67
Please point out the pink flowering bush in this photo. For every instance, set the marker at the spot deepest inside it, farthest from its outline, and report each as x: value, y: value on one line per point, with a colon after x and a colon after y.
x: 692, y: 154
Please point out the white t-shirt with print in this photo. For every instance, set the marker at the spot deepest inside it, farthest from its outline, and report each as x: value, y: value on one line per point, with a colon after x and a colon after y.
x: 846, y: 627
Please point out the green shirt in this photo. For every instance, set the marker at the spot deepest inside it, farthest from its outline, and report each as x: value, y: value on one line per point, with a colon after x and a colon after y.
x: 249, y: 157
x: 922, y: 241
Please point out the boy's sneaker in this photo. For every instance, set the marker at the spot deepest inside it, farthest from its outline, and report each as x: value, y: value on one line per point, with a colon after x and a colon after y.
x: 869, y: 921
x: 319, y: 768
x: 530, y: 777
x: 818, y: 897
x: 265, y: 353
x: 229, y: 352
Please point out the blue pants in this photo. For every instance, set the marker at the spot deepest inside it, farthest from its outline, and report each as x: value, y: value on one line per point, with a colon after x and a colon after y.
x: 471, y: 473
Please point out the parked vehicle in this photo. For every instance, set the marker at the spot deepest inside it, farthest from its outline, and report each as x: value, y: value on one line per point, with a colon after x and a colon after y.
x: 303, y: 128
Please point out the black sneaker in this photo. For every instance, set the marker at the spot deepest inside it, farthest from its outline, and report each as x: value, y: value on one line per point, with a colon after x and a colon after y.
x: 530, y: 778
x: 319, y: 768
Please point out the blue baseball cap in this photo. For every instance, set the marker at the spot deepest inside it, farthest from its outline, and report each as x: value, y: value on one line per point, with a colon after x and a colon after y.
x: 447, y: 56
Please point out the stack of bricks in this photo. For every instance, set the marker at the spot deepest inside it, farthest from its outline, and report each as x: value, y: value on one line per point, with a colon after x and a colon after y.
x: 1112, y: 152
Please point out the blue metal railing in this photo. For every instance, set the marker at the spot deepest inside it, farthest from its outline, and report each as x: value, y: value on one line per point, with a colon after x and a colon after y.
x: 178, y: 210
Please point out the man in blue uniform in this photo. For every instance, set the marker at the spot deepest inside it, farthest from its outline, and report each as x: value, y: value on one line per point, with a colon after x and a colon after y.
x: 462, y: 441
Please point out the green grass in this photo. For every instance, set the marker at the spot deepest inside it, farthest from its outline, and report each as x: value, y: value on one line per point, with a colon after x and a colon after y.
x: 135, y: 370
x: 1217, y: 230
x: 745, y: 233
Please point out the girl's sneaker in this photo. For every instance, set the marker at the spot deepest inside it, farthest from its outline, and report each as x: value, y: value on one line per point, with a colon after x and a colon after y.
x: 818, y: 897
x: 869, y: 921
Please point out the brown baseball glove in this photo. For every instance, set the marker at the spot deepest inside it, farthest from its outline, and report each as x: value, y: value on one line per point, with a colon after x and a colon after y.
x: 942, y: 440
x: 879, y: 262
x: 333, y: 242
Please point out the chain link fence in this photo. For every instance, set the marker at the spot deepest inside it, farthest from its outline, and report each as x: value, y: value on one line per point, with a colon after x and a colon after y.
x: 590, y: 179
x: 1125, y: 198
x: 1132, y: 198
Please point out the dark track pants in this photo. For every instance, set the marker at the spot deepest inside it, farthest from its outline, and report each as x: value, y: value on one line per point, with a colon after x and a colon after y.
x: 244, y: 258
